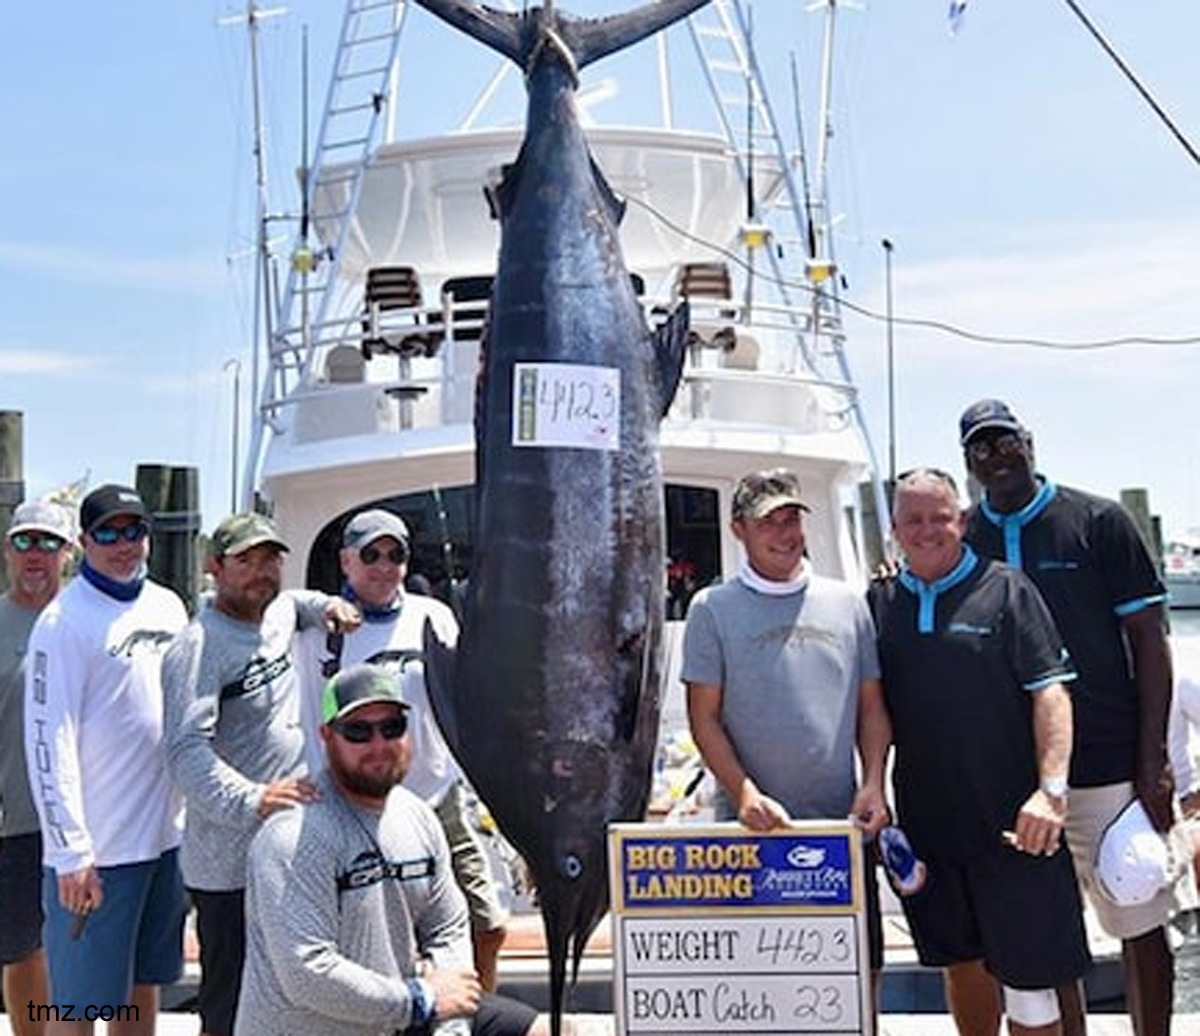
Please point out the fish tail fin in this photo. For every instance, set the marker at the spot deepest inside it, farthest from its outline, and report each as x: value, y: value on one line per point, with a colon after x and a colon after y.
x: 499, y: 30
x: 589, y: 39
x: 593, y: 39
x: 670, y: 347
x: 439, y: 683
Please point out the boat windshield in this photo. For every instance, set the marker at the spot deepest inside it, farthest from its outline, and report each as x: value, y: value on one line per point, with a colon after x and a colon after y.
x: 440, y: 522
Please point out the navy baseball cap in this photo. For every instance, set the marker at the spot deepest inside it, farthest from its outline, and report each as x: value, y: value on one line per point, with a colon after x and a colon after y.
x: 987, y: 413
x: 107, y: 502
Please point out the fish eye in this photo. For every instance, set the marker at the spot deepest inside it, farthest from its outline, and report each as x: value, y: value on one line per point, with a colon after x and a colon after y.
x: 571, y: 866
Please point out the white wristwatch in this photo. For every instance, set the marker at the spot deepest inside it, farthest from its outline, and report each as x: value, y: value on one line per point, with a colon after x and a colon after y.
x: 1055, y: 787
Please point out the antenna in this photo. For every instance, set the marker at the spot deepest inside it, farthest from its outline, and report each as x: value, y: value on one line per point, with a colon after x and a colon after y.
x: 809, y: 231
x: 262, y: 269
x: 754, y: 234
x: 304, y: 261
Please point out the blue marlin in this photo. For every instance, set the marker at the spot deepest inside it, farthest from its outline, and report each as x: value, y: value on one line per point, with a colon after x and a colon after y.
x: 551, y: 702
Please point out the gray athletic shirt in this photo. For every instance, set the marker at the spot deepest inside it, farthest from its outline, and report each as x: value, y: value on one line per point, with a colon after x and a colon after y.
x: 332, y: 932
x: 17, y: 813
x: 232, y: 726
x: 790, y: 668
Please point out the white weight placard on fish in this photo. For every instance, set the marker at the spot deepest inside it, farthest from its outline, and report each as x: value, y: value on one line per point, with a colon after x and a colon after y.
x: 566, y: 404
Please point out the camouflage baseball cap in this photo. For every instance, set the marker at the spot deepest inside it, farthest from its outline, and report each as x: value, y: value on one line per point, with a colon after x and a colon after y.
x: 239, y: 532
x: 760, y: 493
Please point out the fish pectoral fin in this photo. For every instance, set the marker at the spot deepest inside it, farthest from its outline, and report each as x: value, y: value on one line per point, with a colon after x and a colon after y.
x: 439, y: 684
x: 670, y: 348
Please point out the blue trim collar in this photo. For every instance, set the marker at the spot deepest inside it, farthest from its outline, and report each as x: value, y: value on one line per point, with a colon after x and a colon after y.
x: 927, y: 593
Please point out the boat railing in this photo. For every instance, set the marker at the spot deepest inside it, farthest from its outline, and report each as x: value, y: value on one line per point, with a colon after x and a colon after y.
x: 416, y: 367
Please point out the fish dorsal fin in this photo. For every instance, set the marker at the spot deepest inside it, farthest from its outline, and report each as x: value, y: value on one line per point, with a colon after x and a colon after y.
x: 612, y: 201
x: 670, y: 346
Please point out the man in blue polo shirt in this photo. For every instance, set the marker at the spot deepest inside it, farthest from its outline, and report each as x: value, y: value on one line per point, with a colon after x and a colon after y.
x: 1103, y: 588
x: 974, y: 674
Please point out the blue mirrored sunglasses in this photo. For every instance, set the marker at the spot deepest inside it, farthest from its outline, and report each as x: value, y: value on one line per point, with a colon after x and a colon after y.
x: 360, y: 731
x: 23, y: 542
x: 107, y: 535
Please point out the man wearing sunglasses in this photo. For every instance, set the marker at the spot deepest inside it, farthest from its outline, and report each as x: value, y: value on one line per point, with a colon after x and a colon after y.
x: 36, y: 550
x: 374, y: 561
x: 355, y: 924
x: 234, y: 742
x: 1088, y: 559
x: 110, y: 818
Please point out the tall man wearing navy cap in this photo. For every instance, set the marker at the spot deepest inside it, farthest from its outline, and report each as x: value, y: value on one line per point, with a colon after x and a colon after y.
x: 110, y: 818
x: 36, y: 550
x: 374, y: 560
x: 234, y: 741
x: 355, y: 923
x: 1103, y: 588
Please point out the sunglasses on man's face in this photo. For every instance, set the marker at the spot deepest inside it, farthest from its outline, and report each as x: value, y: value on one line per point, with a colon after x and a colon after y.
x: 1006, y: 445
x: 23, y: 543
x: 370, y: 554
x: 107, y: 535
x: 360, y: 731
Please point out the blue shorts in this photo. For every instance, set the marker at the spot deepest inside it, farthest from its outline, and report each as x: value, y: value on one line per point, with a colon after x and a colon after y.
x: 135, y: 938
x: 20, y: 879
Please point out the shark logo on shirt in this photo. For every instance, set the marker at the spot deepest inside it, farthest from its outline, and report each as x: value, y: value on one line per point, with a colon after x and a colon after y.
x: 157, y: 639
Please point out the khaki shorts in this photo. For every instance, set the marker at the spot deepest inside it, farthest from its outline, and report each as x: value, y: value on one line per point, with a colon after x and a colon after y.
x: 1089, y: 812
x: 469, y: 860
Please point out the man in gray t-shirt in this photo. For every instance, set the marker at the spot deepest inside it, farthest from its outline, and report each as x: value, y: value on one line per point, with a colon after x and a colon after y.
x: 36, y: 550
x: 783, y: 681
x: 234, y: 741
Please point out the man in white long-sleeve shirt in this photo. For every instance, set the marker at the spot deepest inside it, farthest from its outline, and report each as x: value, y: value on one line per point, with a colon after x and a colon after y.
x: 354, y: 923
x: 234, y: 742
x: 109, y: 815
x: 374, y: 561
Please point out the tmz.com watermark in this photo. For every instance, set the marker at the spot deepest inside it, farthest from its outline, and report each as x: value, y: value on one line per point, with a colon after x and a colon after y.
x: 82, y: 1013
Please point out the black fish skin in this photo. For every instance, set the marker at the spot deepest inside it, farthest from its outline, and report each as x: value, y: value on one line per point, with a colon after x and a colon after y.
x: 551, y: 702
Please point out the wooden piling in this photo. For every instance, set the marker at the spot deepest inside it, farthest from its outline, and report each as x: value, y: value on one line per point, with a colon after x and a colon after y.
x: 12, y: 480
x: 172, y: 495
x: 1137, y: 502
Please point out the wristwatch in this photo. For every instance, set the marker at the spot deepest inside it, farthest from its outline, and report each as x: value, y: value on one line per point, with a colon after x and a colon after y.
x: 1055, y: 787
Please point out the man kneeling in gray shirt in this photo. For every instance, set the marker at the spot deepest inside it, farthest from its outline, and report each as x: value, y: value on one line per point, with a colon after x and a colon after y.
x: 233, y: 736
x: 355, y: 924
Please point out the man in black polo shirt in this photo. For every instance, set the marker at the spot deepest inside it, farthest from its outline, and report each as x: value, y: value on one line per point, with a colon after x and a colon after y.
x: 1103, y: 588
x: 974, y: 674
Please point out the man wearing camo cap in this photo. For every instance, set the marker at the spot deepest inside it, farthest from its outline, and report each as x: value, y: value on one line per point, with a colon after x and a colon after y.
x: 234, y: 741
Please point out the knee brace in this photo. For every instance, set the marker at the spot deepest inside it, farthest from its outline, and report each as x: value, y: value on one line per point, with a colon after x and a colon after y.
x: 1031, y: 1007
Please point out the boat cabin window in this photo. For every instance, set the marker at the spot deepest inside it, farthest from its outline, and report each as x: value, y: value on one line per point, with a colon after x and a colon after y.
x: 440, y: 522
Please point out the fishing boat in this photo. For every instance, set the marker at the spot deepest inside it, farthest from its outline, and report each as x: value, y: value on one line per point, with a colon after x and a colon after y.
x: 367, y: 387
x: 1181, y: 569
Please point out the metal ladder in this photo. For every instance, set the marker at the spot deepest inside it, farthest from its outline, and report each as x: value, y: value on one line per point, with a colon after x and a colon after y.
x: 721, y: 33
x: 349, y: 133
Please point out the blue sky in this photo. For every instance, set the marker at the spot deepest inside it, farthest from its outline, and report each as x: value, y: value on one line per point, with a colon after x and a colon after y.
x: 1028, y: 190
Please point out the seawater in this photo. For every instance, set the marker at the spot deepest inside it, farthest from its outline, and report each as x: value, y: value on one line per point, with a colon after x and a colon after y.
x: 1186, y: 623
